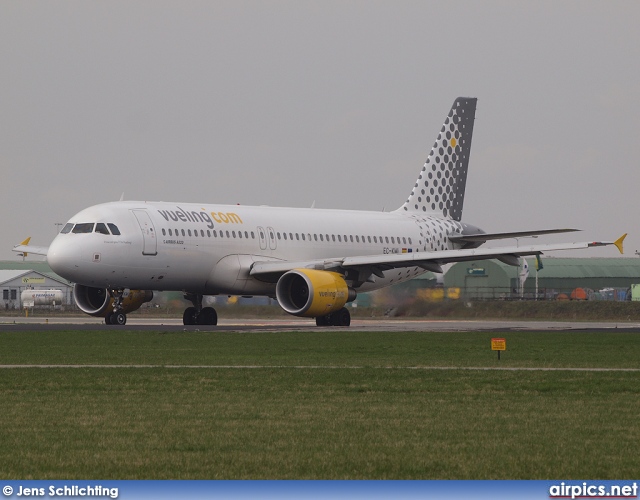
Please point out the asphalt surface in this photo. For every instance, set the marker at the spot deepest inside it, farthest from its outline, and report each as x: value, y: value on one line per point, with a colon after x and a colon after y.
x: 8, y: 324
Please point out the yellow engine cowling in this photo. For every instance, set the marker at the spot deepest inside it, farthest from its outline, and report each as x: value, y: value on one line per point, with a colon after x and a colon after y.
x: 312, y: 293
x: 98, y: 302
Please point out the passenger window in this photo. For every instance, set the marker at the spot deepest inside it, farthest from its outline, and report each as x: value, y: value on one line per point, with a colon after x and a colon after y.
x: 170, y: 232
x: 298, y: 236
x: 357, y: 239
x: 163, y: 232
x: 369, y: 238
x: 333, y: 237
x: 386, y: 239
x: 239, y: 234
x: 182, y: 232
x: 114, y: 229
x: 202, y: 232
x: 189, y: 232
x: 233, y: 233
x: 246, y: 235
x: 101, y: 228
x: 375, y: 240
x: 279, y: 236
x: 208, y: 234
x: 410, y: 242
x: 67, y: 227
x: 321, y: 238
x: 253, y: 236
x: 83, y: 228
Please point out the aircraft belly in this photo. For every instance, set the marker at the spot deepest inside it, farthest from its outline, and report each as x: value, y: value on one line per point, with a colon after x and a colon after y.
x: 231, y: 276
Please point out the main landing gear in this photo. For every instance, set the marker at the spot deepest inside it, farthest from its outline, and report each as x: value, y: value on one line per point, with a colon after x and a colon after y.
x: 198, y: 315
x: 338, y: 318
x: 116, y: 317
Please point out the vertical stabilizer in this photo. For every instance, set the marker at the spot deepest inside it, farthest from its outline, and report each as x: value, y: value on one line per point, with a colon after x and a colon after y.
x: 440, y: 186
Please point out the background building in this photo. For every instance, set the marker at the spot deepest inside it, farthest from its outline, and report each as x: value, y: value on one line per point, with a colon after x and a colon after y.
x: 16, y: 277
x: 598, y: 278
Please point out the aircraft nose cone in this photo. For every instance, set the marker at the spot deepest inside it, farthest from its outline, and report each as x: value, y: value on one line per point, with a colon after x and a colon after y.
x: 62, y: 257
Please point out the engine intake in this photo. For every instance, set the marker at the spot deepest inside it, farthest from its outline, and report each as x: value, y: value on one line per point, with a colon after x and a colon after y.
x: 313, y: 293
x: 97, y: 301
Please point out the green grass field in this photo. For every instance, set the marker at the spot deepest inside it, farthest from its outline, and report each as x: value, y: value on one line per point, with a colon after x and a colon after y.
x: 322, y: 405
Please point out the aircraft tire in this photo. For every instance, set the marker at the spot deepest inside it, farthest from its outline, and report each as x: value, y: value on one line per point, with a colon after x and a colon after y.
x: 119, y: 319
x: 208, y: 316
x: 107, y: 319
x: 189, y: 316
x: 341, y: 317
x: 323, y: 320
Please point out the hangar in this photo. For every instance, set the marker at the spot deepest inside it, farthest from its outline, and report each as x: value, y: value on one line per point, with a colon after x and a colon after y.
x: 14, y: 281
x: 491, y: 279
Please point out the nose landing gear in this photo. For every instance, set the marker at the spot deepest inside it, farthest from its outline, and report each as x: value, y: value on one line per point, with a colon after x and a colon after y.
x: 116, y: 317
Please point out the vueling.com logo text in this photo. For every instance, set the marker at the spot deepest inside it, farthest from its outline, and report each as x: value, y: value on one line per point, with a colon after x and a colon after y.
x: 202, y: 216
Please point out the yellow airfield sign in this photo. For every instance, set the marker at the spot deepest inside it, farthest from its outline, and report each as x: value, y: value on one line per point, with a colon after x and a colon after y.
x: 498, y: 344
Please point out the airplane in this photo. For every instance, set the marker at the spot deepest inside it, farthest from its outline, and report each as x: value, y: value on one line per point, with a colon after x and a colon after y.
x: 313, y: 261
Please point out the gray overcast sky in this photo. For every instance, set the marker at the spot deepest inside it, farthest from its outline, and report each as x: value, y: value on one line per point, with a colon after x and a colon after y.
x: 287, y: 102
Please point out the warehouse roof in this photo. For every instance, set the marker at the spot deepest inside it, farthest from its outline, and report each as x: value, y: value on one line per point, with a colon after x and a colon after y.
x: 591, y: 267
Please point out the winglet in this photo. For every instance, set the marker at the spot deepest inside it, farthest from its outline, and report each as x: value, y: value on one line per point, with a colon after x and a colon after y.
x: 25, y: 243
x: 618, y: 242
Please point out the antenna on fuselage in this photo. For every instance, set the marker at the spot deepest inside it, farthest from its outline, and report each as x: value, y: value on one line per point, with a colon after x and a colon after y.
x: 122, y: 196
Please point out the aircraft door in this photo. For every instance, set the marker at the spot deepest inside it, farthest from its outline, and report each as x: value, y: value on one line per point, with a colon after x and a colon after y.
x: 272, y: 238
x: 262, y: 237
x: 149, y: 240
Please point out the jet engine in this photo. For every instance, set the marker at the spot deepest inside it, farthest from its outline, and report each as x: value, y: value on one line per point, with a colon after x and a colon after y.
x: 313, y: 293
x: 98, y: 302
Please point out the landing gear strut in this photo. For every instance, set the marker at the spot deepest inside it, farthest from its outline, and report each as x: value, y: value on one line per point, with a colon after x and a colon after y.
x: 338, y: 318
x: 116, y: 317
x: 198, y: 315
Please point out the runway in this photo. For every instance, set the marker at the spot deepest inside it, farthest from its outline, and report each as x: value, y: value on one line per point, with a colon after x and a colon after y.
x: 300, y: 324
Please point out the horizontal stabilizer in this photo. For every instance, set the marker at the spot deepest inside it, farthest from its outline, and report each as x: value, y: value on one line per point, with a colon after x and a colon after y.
x: 482, y: 237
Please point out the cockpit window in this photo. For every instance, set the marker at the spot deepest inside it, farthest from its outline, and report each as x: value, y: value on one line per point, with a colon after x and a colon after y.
x: 114, y: 229
x: 83, y: 228
x: 101, y: 228
x: 67, y: 227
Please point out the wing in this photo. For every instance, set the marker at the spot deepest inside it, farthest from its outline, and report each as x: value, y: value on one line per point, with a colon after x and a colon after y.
x: 431, y: 261
x: 25, y: 249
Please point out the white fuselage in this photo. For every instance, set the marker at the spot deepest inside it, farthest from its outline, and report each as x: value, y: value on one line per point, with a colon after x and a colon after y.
x: 209, y: 249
